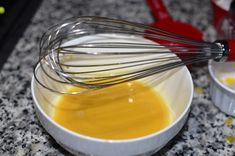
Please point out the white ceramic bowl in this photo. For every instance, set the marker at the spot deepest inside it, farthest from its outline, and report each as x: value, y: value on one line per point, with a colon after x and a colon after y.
x: 222, y: 96
x: 177, y: 89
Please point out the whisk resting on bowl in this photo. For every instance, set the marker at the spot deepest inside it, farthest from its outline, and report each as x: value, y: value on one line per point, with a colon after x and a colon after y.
x: 97, y: 52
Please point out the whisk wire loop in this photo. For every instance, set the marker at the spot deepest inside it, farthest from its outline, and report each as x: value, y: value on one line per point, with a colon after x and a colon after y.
x: 97, y: 52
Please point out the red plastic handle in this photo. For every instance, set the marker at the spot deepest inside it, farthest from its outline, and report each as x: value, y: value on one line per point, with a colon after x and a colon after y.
x: 158, y: 9
x: 231, y: 54
x: 219, y: 13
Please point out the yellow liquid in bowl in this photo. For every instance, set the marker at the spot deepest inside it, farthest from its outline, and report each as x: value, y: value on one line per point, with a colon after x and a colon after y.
x: 229, y: 80
x: 124, y: 111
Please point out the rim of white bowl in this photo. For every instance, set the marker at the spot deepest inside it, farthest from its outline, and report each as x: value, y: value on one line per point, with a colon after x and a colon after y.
x: 222, y: 86
x: 118, y: 140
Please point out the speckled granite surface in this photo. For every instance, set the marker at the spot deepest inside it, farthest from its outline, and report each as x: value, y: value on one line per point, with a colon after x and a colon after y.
x: 20, y: 130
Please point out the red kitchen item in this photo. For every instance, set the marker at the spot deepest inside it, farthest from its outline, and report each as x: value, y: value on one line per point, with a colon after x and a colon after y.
x: 165, y: 22
x: 231, y: 45
x: 220, y: 9
x: 226, y: 25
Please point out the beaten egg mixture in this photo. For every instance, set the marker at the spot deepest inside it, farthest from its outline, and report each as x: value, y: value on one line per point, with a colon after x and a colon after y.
x: 229, y: 81
x: 124, y: 111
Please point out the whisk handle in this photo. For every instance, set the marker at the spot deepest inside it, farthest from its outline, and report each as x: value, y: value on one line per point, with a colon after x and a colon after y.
x: 227, y: 48
x: 231, y: 50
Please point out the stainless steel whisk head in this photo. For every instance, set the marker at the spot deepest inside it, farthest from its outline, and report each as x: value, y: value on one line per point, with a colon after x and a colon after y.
x: 97, y: 52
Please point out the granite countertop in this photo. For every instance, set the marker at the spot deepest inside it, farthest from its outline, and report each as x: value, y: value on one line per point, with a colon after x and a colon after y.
x: 21, y: 133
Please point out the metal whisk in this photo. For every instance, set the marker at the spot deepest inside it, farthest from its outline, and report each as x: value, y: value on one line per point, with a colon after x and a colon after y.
x: 97, y: 52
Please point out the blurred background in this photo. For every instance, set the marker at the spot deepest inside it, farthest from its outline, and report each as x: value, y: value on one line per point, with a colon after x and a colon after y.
x: 15, y: 16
